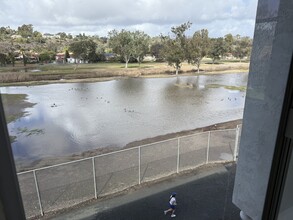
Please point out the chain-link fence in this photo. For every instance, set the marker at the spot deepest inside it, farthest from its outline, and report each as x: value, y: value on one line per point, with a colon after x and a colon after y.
x: 64, y: 185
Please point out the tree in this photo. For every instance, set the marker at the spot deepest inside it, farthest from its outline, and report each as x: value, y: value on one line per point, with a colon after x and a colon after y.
x: 62, y: 35
x: 83, y: 49
x: 6, y: 32
x: 228, y: 38
x: 121, y: 44
x: 174, y: 48
x: 47, y: 56
x: 3, y: 31
x: 242, y: 48
x: 156, y: 50
x: 140, y: 45
x: 218, y: 48
x: 92, y: 56
x: 81, y: 37
x: 101, y: 48
x: 66, y: 56
x: 38, y: 37
x: 7, y: 50
x: 26, y: 30
x: 3, y: 59
x: 198, y: 47
x: 24, y: 49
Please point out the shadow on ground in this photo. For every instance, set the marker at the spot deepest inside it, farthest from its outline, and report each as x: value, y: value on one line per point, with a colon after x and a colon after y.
x: 201, y: 195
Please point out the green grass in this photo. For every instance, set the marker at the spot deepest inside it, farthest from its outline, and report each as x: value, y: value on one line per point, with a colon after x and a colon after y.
x: 238, y: 88
x: 55, y: 72
x: 69, y: 68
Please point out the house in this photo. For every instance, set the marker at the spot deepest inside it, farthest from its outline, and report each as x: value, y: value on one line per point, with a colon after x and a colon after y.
x: 48, y: 35
x: 110, y: 56
x: 228, y: 56
x: 149, y: 58
x: 15, y: 36
x: 75, y: 60
x: 60, y: 57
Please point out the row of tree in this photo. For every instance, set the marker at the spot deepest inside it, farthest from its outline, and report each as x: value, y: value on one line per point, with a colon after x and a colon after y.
x: 126, y: 45
x: 177, y: 48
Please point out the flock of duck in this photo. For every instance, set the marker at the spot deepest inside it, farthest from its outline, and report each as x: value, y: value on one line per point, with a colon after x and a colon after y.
x: 107, y: 101
x: 85, y: 89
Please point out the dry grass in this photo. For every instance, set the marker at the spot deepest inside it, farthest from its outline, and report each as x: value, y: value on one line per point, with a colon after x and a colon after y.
x: 52, y: 73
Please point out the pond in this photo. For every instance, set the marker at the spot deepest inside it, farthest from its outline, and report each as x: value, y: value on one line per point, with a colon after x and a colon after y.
x: 71, y: 118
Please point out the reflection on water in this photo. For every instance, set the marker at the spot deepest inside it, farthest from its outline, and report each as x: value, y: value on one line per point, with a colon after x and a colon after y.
x: 77, y: 117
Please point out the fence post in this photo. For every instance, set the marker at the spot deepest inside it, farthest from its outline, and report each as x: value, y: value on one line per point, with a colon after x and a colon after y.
x: 94, y: 175
x: 178, y: 152
x: 208, y: 147
x: 38, y: 193
x: 139, y: 165
x: 236, y: 143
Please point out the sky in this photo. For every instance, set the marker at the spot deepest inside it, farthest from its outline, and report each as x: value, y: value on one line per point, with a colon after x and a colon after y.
x: 154, y: 17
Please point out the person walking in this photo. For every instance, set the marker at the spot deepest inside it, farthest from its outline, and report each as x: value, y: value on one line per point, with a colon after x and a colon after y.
x: 172, y: 204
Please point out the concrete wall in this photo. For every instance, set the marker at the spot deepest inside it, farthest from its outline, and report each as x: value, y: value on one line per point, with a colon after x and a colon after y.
x: 269, y: 68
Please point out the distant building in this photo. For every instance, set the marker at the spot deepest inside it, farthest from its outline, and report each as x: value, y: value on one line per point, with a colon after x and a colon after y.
x: 60, y: 57
x: 110, y: 56
x: 229, y: 56
x: 149, y: 58
x: 15, y: 36
x: 32, y: 57
x: 48, y: 35
x: 74, y: 60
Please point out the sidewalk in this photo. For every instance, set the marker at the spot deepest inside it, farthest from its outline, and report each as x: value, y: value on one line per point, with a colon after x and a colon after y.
x: 203, y: 194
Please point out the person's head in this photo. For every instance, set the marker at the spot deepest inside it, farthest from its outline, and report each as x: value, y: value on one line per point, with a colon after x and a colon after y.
x: 173, y: 194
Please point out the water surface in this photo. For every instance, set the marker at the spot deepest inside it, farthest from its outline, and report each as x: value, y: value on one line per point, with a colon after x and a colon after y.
x: 76, y: 117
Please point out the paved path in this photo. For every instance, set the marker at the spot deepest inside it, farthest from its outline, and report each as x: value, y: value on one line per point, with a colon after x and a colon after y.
x: 205, y: 194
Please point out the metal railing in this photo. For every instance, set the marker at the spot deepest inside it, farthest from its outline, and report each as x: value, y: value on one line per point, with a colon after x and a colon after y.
x: 67, y: 184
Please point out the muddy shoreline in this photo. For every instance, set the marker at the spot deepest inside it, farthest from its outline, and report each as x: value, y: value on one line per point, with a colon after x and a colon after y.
x: 219, y: 126
x: 15, y: 105
x: 23, y: 165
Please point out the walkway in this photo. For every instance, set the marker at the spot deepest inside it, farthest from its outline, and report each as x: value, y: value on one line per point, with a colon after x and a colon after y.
x: 204, y: 194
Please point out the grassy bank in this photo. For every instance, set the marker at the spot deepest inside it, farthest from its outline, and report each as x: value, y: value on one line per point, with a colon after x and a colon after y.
x: 52, y: 73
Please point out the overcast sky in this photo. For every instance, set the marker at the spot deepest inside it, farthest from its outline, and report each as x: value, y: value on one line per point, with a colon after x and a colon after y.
x: 153, y: 17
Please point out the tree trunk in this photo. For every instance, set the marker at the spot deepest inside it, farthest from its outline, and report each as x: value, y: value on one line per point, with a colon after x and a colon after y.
x: 139, y: 61
x: 198, y: 64
x: 24, y: 59
x: 13, y: 61
x: 177, y: 70
x: 76, y: 64
x: 126, y: 62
